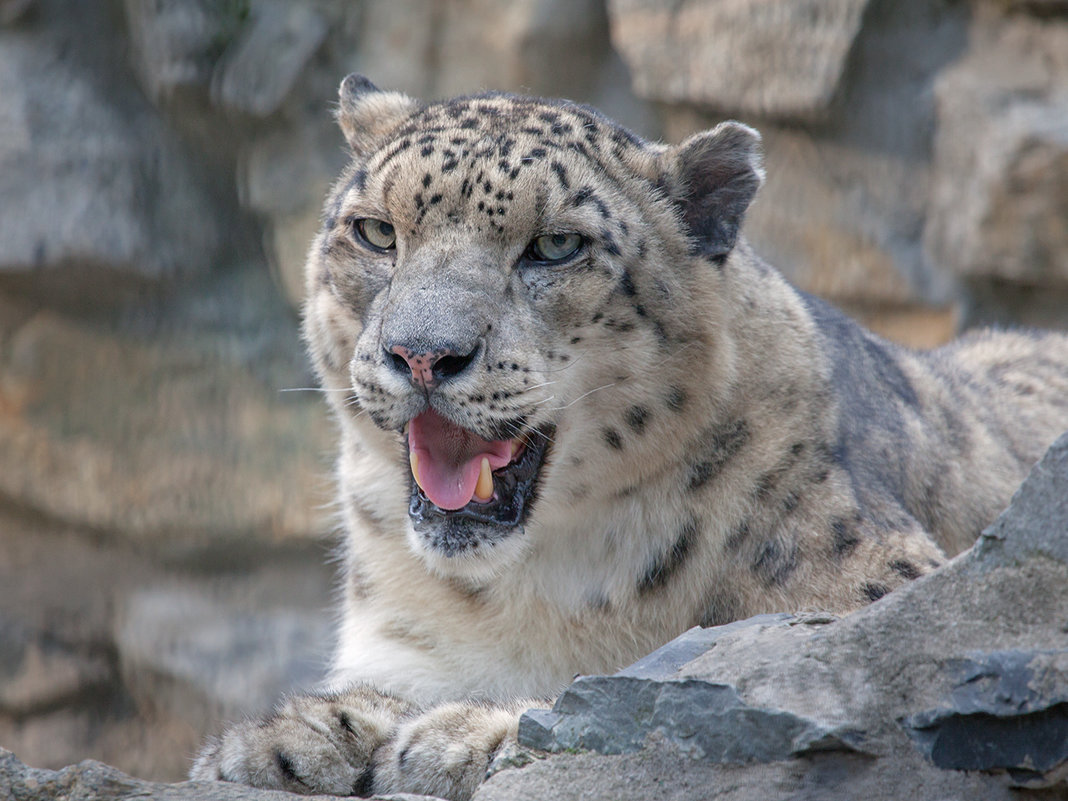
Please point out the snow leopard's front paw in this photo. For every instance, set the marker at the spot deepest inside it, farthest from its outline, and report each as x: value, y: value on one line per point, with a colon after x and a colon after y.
x: 447, y: 750
x: 310, y: 744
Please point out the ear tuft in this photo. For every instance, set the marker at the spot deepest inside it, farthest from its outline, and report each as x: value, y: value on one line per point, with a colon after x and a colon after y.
x: 353, y: 86
x: 366, y: 113
x: 717, y: 173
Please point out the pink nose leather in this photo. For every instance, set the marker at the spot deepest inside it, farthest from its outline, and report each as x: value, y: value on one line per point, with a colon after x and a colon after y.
x: 421, y: 365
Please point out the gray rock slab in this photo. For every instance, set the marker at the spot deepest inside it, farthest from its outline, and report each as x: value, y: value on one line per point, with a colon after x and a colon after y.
x: 39, y: 672
x: 1008, y: 711
x: 998, y: 190
x: 90, y: 177
x: 263, y: 63
x: 780, y: 58
x: 660, y: 772
x: 95, y: 781
x: 176, y: 43
x: 205, y: 658
x: 649, y: 700
x: 706, y: 720
x: 1036, y: 521
x: 174, y: 432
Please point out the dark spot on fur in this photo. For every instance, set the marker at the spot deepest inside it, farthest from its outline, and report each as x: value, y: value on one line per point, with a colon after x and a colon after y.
x: 873, y: 592
x: 765, y: 484
x: 719, y: 445
x: 600, y: 602
x: 660, y: 572
x: 718, y: 610
x: 739, y: 535
x: 285, y: 767
x: 612, y: 438
x: 845, y: 539
x: 676, y: 399
x: 626, y: 283
x: 581, y: 196
x: 905, y: 569
x: 365, y: 782
x: 637, y: 417
x: 774, y: 563
x: 345, y: 722
x: 561, y: 174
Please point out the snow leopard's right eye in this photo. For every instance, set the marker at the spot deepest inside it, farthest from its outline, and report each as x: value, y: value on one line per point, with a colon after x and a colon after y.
x: 376, y: 234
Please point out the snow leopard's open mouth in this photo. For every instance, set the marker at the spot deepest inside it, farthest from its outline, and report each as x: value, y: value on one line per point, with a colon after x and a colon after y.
x: 466, y: 489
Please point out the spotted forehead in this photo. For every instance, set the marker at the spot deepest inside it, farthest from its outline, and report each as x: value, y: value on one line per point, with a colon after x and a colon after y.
x: 507, y: 132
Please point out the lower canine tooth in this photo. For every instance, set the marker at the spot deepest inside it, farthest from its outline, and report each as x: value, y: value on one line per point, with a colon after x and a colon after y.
x: 484, y: 487
x: 414, y: 460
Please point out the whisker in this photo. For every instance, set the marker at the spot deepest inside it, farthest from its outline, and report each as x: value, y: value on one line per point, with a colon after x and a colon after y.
x: 539, y: 386
x: 312, y: 389
x: 584, y: 394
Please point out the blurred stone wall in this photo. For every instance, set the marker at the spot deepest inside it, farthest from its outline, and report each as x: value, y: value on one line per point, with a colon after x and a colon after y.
x: 164, y: 498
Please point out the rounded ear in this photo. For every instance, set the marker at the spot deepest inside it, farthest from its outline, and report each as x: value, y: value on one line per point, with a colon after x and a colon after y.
x: 714, y: 176
x: 366, y: 113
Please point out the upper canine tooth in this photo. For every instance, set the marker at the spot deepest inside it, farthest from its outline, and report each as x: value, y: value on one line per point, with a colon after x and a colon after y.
x: 484, y: 487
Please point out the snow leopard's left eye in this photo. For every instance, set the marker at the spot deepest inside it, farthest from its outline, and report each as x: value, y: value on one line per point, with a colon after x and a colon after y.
x: 550, y: 248
x: 378, y: 234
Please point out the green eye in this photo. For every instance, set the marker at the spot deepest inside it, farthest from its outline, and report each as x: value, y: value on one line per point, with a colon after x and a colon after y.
x: 554, y: 247
x: 378, y: 234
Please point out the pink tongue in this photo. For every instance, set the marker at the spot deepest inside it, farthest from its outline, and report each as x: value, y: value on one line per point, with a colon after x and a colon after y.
x: 450, y: 458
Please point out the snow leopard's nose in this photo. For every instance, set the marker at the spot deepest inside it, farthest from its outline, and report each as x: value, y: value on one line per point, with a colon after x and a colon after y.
x: 427, y: 369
